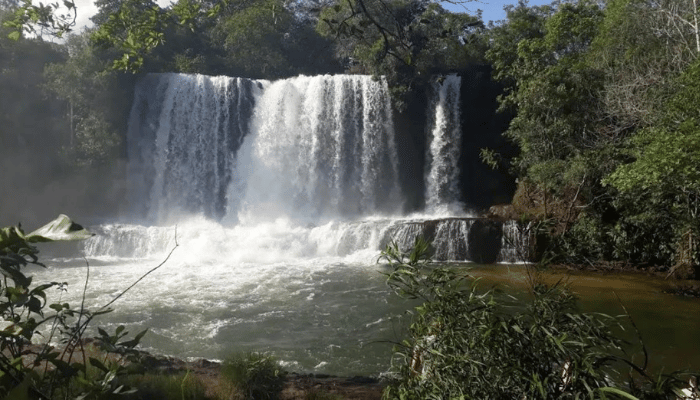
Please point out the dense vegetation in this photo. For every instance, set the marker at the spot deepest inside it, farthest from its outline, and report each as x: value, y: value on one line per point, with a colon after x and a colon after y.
x: 604, y: 97
x: 465, y: 342
x: 606, y: 100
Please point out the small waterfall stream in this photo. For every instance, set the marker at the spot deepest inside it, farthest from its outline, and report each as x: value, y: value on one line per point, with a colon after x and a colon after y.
x: 445, y: 134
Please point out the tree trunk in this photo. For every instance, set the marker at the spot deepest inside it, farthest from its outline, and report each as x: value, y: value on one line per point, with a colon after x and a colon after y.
x: 72, y: 126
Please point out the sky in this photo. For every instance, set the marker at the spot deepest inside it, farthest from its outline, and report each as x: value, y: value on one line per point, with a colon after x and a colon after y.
x: 492, y: 9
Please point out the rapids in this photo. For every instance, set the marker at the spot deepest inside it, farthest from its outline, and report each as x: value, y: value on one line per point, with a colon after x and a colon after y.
x: 280, y: 196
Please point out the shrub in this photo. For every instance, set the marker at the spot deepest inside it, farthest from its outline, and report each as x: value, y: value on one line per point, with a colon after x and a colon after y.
x: 44, y: 371
x: 255, y: 375
x: 469, y: 344
x: 150, y: 386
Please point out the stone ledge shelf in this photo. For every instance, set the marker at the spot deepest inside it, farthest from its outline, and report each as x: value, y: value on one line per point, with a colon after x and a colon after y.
x: 479, y: 240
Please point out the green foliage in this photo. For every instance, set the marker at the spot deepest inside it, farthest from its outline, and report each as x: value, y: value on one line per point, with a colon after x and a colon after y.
x: 605, y: 124
x: 163, y: 387
x: 42, y: 19
x: 135, y: 30
x: 665, y: 175
x: 254, y: 375
x: 188, y: 63
x: 24, y: 367
x: 96, y: 103
x: 27, y: 117
x: 255, y: 37
x: 405, y: 41
x: 538, y: 56
x: 464, y: 343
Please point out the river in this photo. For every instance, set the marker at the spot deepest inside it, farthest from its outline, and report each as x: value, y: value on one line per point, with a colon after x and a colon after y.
x: 221, y: 292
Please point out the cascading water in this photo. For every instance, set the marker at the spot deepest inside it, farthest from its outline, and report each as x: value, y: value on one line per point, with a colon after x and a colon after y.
x: 321, y: 148
x: 309, y: 148
x: 516, y: 242
x: 300, y: 167
x: 280, y: 195
x: 445, y: 135
x: 451, y: 240
x: 184, y: 134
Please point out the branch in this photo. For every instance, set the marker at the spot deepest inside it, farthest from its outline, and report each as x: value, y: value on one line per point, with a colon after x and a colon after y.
x: 80, y: 328
x: 142, y: 276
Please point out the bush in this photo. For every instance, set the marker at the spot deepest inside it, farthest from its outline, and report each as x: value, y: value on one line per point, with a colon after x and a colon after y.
x: 254, y: 375
x: 467, y: 344
x: 164, y: 387
x: 45, y: 371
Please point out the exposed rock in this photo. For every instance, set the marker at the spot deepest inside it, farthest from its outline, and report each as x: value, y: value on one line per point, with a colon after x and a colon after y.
x: 502, y: 211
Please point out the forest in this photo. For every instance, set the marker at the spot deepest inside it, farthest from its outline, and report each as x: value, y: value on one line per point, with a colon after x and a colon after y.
x: 601, y: 98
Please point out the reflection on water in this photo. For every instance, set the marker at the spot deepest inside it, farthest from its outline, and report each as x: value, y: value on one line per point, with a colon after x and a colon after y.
x: 669, y: 325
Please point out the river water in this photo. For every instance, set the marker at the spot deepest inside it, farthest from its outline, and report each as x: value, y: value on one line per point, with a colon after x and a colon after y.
x: 317, y: 313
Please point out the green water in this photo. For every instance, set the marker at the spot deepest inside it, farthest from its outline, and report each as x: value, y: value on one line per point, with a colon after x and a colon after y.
x: 336, y: 317
x: 669, y: 325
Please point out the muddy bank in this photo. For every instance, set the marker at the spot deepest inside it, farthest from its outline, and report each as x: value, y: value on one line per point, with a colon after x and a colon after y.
x: 663, y: 276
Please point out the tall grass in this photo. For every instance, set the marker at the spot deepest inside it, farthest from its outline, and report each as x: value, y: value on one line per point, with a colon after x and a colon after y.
x: 254, y: 376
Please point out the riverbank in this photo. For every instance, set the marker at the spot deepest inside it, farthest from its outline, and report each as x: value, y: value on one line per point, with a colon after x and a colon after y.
x: 662, y: 275
x: 296, y: 386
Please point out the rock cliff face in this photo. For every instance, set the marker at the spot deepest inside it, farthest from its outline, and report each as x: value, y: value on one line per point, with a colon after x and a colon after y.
x: 480, y: 240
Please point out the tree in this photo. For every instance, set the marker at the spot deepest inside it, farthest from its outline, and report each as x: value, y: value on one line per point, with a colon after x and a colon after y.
x: 665, y: 175
x: 406, y: 41
x: 94, y: 110
x: 539, y: 54
x: 254, y: 39
x: 640, y: 49
x: 134, y: 31
x: 43, y: 19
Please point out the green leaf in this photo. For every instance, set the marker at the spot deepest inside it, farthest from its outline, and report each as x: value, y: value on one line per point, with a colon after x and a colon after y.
x: 20, y: 392
x: 135, y: 341
x: 14, y: 35
x: 617, y: 392
x: 98, y: 364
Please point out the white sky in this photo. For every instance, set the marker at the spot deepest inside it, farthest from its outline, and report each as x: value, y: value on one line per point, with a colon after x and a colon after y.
x: 86, y: 9
x: 493, y: 9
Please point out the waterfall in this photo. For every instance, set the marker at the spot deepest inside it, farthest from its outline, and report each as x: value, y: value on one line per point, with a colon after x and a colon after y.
x: 445, y: 134
x: 321, y: 148
x: 128, y: 241
x: 303, y: 167
x: 184, y: 133
x: 405, y: 234
x: 516, y: 242
x: 228, y: 148
x: 451, y: 240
